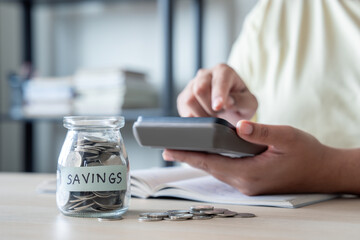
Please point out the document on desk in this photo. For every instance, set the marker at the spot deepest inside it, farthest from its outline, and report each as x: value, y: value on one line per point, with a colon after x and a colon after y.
x: 193, y: 184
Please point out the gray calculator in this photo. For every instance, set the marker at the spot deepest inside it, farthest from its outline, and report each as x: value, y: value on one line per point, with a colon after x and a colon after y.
x: 204, y: 134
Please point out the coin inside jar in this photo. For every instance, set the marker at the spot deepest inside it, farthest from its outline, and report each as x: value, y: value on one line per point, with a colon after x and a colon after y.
x: 74, y: 159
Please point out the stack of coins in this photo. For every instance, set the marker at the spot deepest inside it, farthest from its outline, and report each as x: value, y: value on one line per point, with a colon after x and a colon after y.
x: 200, y: 212
x: 93, y: 201
x: 95, y: 151
x: 90, y: 152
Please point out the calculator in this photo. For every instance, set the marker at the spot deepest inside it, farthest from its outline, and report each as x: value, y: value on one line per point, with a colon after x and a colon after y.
x: 201, y: 134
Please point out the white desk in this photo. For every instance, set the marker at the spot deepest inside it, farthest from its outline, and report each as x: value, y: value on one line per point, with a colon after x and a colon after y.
x: 26, y: 214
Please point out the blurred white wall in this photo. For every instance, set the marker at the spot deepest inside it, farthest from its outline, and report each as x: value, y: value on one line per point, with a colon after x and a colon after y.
x: 95, y: 34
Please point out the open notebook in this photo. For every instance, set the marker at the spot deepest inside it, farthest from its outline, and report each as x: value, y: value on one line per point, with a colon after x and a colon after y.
x: 194, y: 184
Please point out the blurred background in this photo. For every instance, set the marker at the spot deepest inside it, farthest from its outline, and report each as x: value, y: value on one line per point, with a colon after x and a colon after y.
x: 56, y: 56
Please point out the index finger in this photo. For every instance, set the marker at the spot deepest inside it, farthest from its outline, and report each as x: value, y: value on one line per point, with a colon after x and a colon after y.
x: 224, y: 81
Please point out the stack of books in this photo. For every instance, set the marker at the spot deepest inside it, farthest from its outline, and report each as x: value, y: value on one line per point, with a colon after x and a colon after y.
x: 108, y: 91
x: 88, y: 92
x: 47, y: 97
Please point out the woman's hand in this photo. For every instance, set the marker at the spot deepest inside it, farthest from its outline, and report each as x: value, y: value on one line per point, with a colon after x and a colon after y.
x: 217, y: 92
x: 294, y: 162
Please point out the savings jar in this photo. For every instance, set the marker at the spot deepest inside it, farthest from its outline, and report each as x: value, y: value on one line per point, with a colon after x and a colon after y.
x: 93, y: 168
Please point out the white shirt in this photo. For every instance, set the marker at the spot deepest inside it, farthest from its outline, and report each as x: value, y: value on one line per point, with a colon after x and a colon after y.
x: 301, y: 59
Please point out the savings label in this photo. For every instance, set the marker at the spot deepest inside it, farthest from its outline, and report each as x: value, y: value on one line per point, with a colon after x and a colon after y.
x: 97, y: 178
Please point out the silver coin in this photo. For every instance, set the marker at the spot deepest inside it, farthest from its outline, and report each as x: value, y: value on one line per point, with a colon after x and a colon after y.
x: 74, y: 159
x: 100, y: 149
x: 215, y: 211
x: 145, y: 214
x: 113, y: 160
x: 105, y: 194
x: 88, y: 147
x: 83, y: 195
x: 77, y: 200
x: 83, y: 207
x: 85, y: 150
x: 146, y: 219
x: 180, y: 216
x: 91, y: 158
x: 104, y: 156
x: 199, y: 214
x: 177, y: 211
x: 92, y: 164
x: 199, y: 208
x: 245, y: 215
x: 108, y: 205
x: 95, y: 209
x: 227, y: 213
x: 83, y: 142
x: 106, y: 145
x: 205, y: 217
x: 95, y: 139
x: 75, y: 205
x: 154, y: 215
x: 113, y: 150
x: 158, y: 215
x: 62, y: 197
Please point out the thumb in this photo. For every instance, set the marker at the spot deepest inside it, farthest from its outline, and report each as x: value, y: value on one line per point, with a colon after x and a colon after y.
x: 273, y: 135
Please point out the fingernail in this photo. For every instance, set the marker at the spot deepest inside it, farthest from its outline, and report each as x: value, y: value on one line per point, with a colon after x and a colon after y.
x: 216, y: 103
x: 167, y: 156
x: 245, y: 127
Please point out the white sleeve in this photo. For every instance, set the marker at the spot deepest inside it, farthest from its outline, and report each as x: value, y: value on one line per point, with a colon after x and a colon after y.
x: 245, y: 51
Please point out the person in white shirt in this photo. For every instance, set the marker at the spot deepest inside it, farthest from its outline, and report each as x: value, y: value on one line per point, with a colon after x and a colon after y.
x: 295, y: 68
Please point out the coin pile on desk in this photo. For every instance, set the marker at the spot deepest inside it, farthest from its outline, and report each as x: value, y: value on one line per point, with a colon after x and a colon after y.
x: 88, y: 152
x: 202, y: 212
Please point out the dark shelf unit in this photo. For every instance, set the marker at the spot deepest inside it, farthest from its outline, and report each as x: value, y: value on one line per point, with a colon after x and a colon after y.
x: 28, y: 50
x: 168, y: 98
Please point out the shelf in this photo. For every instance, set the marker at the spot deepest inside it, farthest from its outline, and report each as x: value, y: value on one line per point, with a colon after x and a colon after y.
x: 66, y: 1
x: 166, y: 11
x: 129, y: 114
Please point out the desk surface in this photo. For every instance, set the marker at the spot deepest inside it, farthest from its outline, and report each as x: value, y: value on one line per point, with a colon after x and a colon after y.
x: 26, y: 214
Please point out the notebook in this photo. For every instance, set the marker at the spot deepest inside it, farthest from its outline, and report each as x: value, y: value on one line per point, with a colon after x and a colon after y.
x: 193, y: 184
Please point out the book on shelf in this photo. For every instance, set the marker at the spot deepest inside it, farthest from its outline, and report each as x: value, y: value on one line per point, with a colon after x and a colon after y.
x: 193, y: 184
x: 47, y: 96
x: 51, y: 89
x: 109, y: 90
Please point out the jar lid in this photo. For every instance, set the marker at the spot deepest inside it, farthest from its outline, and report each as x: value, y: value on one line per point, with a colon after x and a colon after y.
x: 93, y: 122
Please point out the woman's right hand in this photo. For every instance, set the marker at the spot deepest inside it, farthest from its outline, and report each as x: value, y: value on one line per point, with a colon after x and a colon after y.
x: 217, y: 92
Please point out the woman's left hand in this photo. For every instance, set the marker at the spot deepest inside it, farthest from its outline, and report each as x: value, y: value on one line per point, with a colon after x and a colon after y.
x: 294, y: 162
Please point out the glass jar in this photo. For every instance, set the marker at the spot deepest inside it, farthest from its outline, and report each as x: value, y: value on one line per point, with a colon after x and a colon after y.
x: 93, y: 168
